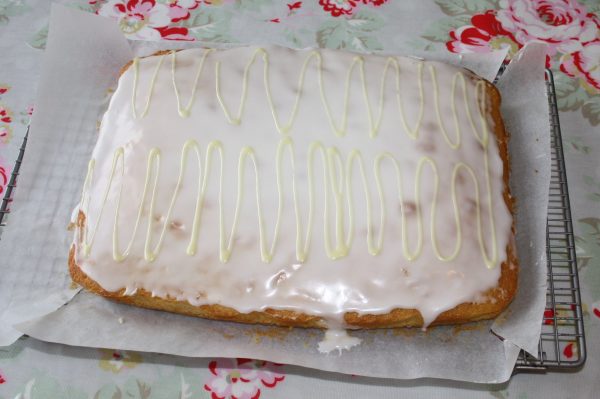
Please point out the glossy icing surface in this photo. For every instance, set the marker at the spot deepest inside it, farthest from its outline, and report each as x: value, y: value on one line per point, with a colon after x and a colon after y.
x: 322, y: 182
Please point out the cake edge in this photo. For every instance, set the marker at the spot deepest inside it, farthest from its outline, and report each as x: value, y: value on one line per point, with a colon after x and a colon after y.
x: 499, y: 298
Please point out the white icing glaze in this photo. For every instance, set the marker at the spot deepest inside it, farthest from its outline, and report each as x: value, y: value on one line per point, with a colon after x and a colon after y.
x: 337, y: 339
x: 249, y: 212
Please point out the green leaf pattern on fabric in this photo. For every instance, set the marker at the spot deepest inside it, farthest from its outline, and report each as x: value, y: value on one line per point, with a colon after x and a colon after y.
x: 438, y: 32
x: 570, y: 95
x: 355, y: 33
x: 42, y: 386
x: 592, y: 5
x: 180, y: 384
x: 591, y: 110
x: 38, y: 40
x: 11, y: 8
x: 577, y: 144
x: 465, y: 7
x: 593, y: 187
x: 211, y: 26
x: 254, y: 5
x: 588, y: 253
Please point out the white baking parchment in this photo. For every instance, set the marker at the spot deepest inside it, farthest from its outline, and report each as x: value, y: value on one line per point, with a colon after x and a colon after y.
x: 72, y: 96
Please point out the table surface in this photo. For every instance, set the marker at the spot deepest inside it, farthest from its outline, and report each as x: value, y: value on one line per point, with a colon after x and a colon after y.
x: 33, y: 369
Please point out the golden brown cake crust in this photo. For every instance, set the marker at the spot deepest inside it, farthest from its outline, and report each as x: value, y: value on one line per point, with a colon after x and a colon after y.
x: 497, y: 299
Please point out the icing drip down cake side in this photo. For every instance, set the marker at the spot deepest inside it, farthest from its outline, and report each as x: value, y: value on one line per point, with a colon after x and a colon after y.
x: 300, y: 188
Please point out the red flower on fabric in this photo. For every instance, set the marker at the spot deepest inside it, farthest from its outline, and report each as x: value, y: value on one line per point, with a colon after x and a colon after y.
x: 135, y: 8
x: 294, y: 6
x: 4, y: 88
x: 116, y: 361
x: 570, y: 350
x: 346, y: 7
x: 241, y: 378
x: 276, y: 20
x: 3, y: 183
x: 5, y: 134
x: 174, y: 33
x: 548, y: 317
x: 5, y: 114
x: 338, y: 7
x: 138, y: 19
x: 584, y: 64
x: 484, y: 35
x: 179, y: 10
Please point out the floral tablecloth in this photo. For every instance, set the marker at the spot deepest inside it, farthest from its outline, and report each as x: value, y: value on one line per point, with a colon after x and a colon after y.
x: 571, y: 28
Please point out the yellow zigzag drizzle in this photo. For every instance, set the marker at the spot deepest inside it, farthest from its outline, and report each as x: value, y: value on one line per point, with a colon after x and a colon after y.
x: 338, y: 176
x: 338, y: 180
x: 339, y: 129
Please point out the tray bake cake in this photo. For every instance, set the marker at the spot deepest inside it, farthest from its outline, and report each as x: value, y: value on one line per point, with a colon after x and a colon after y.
x: 300, y: 188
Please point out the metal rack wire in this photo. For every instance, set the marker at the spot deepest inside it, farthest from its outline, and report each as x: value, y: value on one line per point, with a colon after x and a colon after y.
x: 562, y: 341
x: 12, y: 183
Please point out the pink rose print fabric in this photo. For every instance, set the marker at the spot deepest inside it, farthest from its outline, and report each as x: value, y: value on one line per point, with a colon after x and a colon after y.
x: 242, y: 378
x: 563, y: 25
x: 570, y: 31
x: 485, y: 34
x: 584, y: 64
x: 150, y: 20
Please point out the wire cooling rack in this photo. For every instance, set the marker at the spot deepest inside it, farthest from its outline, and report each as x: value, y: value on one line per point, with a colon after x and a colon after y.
x: 12, y: 183
x: 562, y: 341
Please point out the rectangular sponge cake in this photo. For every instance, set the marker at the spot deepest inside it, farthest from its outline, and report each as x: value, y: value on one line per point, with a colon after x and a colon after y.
x: 300, y: 188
